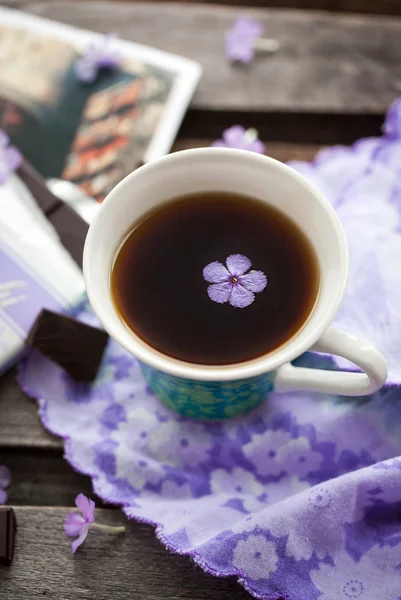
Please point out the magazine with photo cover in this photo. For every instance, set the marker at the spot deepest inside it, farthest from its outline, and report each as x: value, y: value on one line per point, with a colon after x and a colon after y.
x: 92, y: 135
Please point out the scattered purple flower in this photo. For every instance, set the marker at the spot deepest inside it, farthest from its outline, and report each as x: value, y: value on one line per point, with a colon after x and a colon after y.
x: 98, y: 55
x: 10, y: 158
x: 241, y: 38
x: 241, y: 138
x: 232, y: 283
x: 5, y: 478
x: 244, y: 38
x: 79, y: 524
x: 392, y: 124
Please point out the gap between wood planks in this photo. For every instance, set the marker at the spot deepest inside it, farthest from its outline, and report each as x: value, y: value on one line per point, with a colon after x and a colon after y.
x: 294, y: 129
x: 375, y: 7
x: 43, y: 478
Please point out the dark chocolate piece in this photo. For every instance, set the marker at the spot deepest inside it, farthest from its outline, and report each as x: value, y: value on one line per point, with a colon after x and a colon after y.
x: 8, y: 528
x: 74, y: 346
x: 35, y: 183
x: 72, y: 230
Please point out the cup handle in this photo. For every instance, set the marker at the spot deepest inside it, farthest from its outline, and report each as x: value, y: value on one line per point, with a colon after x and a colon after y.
x: 341, y: 343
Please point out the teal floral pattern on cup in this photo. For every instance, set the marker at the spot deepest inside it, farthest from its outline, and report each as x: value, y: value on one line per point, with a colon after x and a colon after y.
x: 209, y: 400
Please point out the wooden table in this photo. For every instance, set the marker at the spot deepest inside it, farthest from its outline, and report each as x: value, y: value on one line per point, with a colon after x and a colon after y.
x: 330, y: 83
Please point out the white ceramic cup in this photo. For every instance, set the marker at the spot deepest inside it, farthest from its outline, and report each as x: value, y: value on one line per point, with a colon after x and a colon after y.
x: 222, y: 391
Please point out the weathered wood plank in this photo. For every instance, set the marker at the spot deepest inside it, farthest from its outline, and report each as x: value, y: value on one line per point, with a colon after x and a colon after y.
x: 327, y: 63
x: 377, y: 7
x: 132, y: 565
x: 293, y: 128
x: 42, y: 478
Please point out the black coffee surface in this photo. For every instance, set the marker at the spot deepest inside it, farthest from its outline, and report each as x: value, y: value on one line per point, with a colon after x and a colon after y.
x: 161, y: 293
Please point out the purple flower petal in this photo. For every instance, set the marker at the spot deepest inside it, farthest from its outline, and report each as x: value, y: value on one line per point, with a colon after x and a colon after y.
x: 392, y: 124
x: 5, y: 476
x: 85, y: 70
x: 215, y: 272
x: 218, y: 144
x: 239, y: 52
x: 256, y: 146
x: 248, y: 27
x: 12, y: 158
x: 240, y: 40
x: 238, y: 137
x: 220, y: 292
x: 86, y: 506
x: 241, y: 297
x: 110, y: 56
x: 3, y: 497
x: 234, y: 136
x: 254, y: 281
x: 109, y: 62
x: 238, y: 264
x: 4, y: 140
x: 99, y: 55
x: 239, y: 292
x: 82, y: 537
x: 73, y: 524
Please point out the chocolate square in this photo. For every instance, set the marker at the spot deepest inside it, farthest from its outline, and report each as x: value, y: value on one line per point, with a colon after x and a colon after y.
x: 72, y: 230
x: 8, y: 528
x: 45, y: 199
x: 76, y: 347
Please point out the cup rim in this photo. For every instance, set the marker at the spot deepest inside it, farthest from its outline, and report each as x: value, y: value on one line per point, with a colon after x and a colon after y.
x: 299, y: 343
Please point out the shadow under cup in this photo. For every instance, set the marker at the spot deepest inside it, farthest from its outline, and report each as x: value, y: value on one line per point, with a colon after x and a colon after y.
x: 206, y: 391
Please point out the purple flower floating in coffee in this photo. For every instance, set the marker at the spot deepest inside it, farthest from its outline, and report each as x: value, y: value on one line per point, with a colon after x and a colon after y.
x: 5, y: 478
x: 234, y: 283
x: 98, y: 55
x: 10, y: 158
x: 79, y: 524
x: 244, y: 38
x: 240, y: 138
